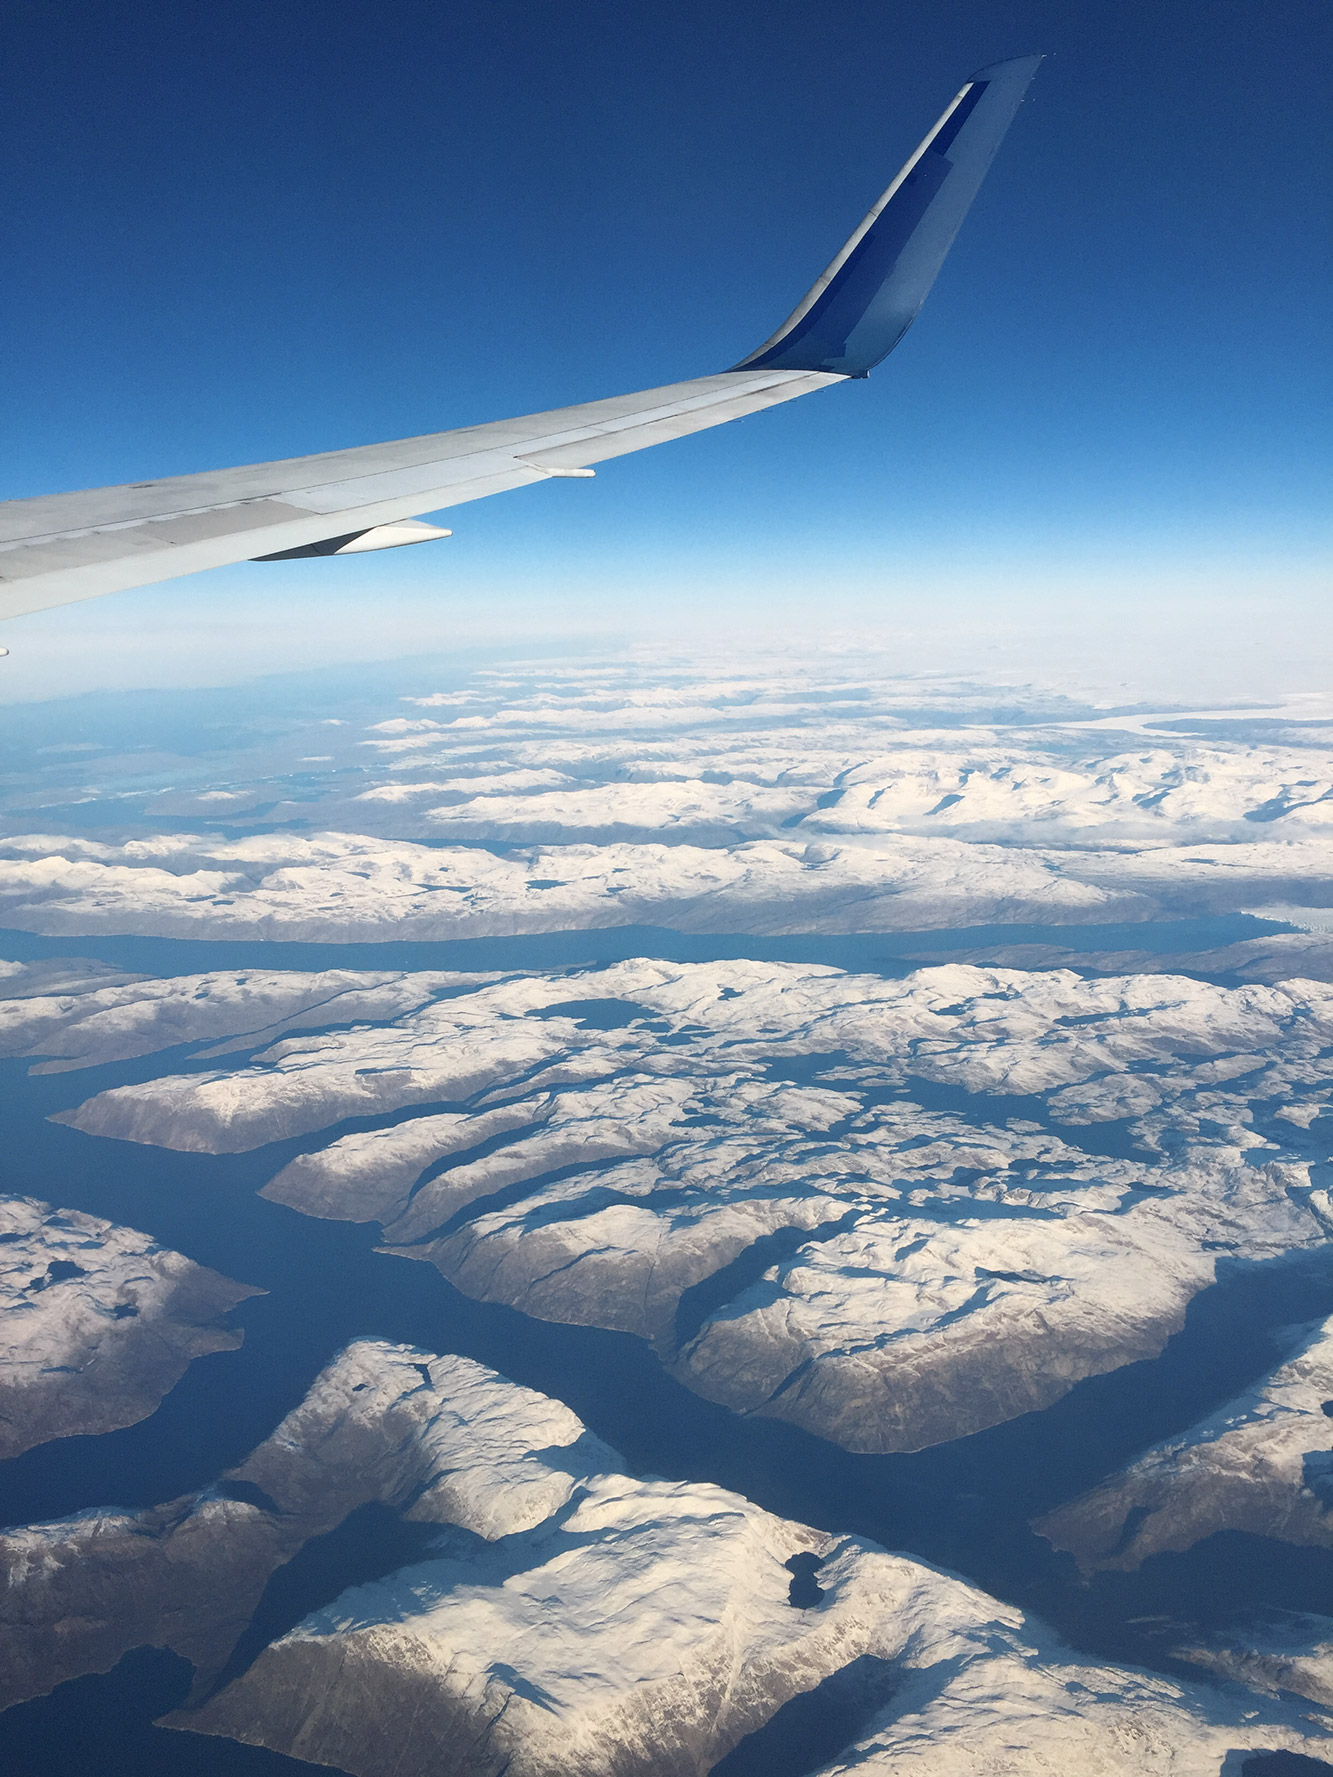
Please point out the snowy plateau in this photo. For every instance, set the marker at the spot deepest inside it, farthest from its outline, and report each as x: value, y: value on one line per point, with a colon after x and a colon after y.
x: 893, y: 1110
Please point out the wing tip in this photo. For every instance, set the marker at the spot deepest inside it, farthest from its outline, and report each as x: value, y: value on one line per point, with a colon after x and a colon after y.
x: 867, y: 298
x: 1010, y: 65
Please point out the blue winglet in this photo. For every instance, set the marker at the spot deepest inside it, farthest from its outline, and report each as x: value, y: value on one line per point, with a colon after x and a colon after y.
x: 867, y: 299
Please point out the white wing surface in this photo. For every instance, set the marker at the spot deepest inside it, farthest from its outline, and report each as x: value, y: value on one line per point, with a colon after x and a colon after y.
x: 60, y: 548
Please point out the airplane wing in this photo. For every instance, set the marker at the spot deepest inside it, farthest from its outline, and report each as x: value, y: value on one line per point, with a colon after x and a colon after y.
x: 59, y: 548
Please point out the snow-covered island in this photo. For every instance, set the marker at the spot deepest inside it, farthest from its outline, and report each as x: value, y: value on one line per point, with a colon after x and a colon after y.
x: 97, y: 1322
x: 568, y: 1616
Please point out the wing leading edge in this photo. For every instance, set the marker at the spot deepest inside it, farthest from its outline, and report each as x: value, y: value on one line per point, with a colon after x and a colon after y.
x: 60, y: 548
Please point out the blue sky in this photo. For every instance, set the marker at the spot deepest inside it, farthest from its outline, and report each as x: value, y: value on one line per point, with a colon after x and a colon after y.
x: 249, y: 231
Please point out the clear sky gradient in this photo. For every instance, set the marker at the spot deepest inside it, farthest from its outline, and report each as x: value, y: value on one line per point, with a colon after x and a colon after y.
x: 257, y: 230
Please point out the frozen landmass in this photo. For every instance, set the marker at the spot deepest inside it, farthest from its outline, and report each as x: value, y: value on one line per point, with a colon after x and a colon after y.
x: 888, y: 1211
x: 1288, y: 1651
x: 551, y: 754
x: 343, y: 887
x: 97, y: 1322
x: 78, y: 1023
x: 1313, y: 921
x: 566, y: 1616
x: 818, y: 794
x: 689, y: 809
x: 439, y: 1438
x: 340, y: 887
x: 1262, y: 1463
x: 59, y: 976
x: 1023, y: 1713
x: 982, y: 788
x: 652, y: 1628
x: 1278, y: 956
